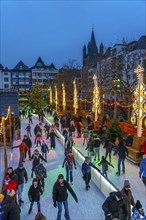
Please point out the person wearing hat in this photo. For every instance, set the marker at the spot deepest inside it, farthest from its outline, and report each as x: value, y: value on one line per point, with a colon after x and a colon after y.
x: 36, y: 160
x: 60, y: 196
x: 21, y: 174
x: 128, y: 197
x: 10, y: 209
x: 34, y: 194
x: 114, y: 207
x: 138, y: 212
x: 68, y: 162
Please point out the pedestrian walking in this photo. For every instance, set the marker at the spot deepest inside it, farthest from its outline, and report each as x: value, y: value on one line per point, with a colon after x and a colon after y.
x: 30, y: 118
x: 28, y: 143
x: 122, y: 152
x: 79, y: 129
x: 128, y: 197
x: 22, y: 175
x: 85, y: 133
x: 86, y: 171
x: 69, y: 143
x: 34, y: 195
x: 41, y: 174
x: 44, y: 150
x: 89, y: 148
x: 104, y: 163
x: 138, y: 212
x: 52, y: 136
x: 96, y: 147
x: 108, y: 149
x: 114, y: 207
x: 22, y: 147
x: 10, y: 208
x: 142, y: 171
x: 69, y: 162
x: 28, y: 129
x: 36, y: 159
x: 60, y: 196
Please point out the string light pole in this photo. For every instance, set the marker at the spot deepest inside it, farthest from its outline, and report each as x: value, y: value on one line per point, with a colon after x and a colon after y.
x: 96, y: 98
x: 50, y: 95
x: 75, y: 103
x: 63, y: 97
x: 56, y: 97
x: 139, y: 105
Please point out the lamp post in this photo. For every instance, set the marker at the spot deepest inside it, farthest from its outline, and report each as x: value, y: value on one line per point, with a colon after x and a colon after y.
x: 139, y: 101
x: 56, y: 97
x: 63, y: 97
x: 96, y: 99
x: 75, y: 103
x: 50, y: 95
x: 10, y: 123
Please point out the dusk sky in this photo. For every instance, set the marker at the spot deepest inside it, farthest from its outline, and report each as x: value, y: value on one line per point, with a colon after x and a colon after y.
x: 57, y: 30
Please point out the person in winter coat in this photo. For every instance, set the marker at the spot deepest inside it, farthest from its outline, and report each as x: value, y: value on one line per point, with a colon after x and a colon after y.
x: 21, y: 174
x: 52, y: 136
x: 108, y: 149
x: 138, y: 212
x: 44, y: 150
x: 86, y: 171
x: 34, y: 194
x: 96, y: 147
x: 22, y: 147
x: 60, y: 196
x: 10, y: 209
x: 28, y: 129
x: 104, y: 163
x: 90, y: 148
x: 69, y: 143
x: 85, y: 133
x: 28, y: 143
x: 114, y: 207
x: 30, y: 118
x: 79, y: 128
x: 128, y: 197
x: 142, y: 171
x: 122, y: 152
x: 36, y: 157
x: 41, y: 174
x: 38, y: 138
x: 68, y: 162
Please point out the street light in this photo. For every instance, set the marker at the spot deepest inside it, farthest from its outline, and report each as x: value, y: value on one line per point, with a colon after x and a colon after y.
x: 64, y: 97
x: 56, y: 97
x: 50, y: 89
x: 75, y: 103
x: 96, y: 98
x: 139, y: 103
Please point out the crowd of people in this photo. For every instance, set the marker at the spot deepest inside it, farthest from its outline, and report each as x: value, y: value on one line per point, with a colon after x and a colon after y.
x: 116, y: 206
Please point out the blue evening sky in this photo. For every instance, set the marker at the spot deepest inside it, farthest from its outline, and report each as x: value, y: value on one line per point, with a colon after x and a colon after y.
x: 57, y: 30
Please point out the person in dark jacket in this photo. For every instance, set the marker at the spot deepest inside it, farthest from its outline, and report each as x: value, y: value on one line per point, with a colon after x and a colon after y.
x: 114, y: 207
x: 142, y: 171
x: 41, y: 174
x: 89, y: 147
x: 34, y: 194
x: 96, y: 147
x: 69, y: 161
x: 21, y: 174
x: 108, y: 148
x: 60, y: 196
x: 36, y: 157
x: 28, y: 129
x: 104, y: 163
x: 44, y: 150
x: 86, y: 171
x: 52, y: 136
x: 122, y: 151
x: 10, y: 209
x: 28, y: 143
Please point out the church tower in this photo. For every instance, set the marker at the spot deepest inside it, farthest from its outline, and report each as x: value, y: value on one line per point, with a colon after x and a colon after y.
x: 84, y: 55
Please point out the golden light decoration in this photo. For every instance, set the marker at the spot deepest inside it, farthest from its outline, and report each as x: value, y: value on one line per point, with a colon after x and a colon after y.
x: 56, y: 97
x: 133, y: 119
x: 96, y: 98
x: 63, y: 96
x: 51, y: 95
x: 139, y: 70
x: 75, y: 103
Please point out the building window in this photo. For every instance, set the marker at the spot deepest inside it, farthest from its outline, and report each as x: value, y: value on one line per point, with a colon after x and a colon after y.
x: 5, y: 74
x: 6, y: 86
x: 6, y: 79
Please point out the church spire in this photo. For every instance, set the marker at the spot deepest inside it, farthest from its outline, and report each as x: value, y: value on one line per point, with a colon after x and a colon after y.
x: 92, y: 41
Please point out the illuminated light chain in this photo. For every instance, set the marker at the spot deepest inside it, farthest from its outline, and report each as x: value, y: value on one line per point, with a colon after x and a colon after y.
x: 56, y: 97
x: 64, y: 96
x: 51, y: 95
x: 139, y: 71
x: 75, y: 103
x: 96, y: 98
